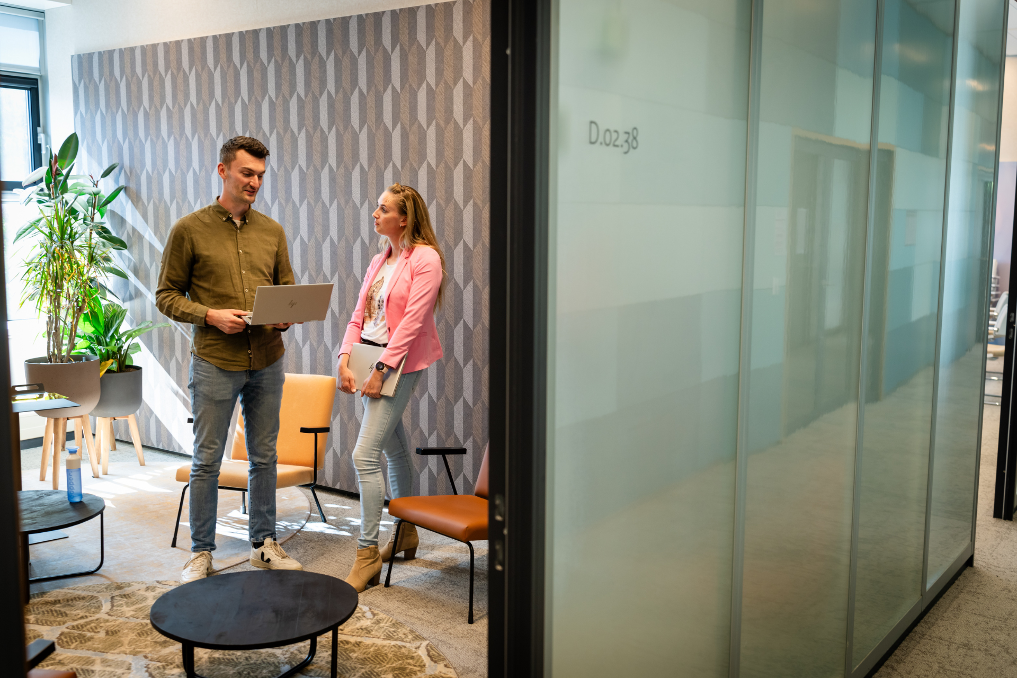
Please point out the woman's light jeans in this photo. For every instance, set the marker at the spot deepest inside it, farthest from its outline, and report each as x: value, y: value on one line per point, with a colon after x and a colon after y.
x: 381, y: 430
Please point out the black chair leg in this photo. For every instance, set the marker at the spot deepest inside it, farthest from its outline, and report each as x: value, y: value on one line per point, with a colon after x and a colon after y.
x: 318, y: 504
x: 395, y: 540
x: 180, y: 509
x: 470, y: 617
x: 243, y: 502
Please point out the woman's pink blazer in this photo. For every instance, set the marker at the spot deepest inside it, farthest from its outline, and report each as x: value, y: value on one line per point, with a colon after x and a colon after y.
x: 409, y: 309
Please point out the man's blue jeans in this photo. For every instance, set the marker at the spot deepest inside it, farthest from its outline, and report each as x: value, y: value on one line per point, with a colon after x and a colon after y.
x: 214, y: 393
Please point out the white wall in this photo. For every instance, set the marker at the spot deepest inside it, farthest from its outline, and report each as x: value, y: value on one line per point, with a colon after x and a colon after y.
x: 95, y: 25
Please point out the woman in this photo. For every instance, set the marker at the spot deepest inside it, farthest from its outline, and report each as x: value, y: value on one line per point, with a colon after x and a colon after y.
x: 403, y: 287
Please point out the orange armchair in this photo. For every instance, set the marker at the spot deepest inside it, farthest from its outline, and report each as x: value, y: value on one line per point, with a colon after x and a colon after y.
x: 460, y: 517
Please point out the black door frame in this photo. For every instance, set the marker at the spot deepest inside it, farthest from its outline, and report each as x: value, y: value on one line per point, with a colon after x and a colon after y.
x: 12, y: 620
x: 520, y: 90
x: 1006, y: 455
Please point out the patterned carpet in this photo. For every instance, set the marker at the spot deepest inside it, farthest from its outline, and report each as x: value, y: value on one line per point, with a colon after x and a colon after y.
x: 969, y: 632
x: 102, y: 631
x: 429, y: 594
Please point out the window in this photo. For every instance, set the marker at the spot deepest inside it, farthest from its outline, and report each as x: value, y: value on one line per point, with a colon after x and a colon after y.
x: 21, y: 151
x: 20, y: 122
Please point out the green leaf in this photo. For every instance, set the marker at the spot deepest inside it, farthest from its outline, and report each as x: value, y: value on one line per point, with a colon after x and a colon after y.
x: 30, y: 193
x: 65, y: 177
x: 106, y: 172
x: 68, y: 151
x: 112, y: 196
x: 117, y: 243
x: 30, y: 227
x: 95, y: 320
x: 115, y: 316
x: 34, y: 176
x: 115, y: 271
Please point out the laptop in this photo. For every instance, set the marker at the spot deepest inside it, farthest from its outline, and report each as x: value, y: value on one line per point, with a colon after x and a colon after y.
x: 290, y: 304
x: 363, y: 358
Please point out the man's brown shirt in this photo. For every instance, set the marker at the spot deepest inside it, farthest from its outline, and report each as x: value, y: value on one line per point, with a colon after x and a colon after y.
x: 212, y: 262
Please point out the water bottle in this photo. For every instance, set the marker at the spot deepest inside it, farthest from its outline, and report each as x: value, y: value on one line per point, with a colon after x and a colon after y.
x: 73, y: 475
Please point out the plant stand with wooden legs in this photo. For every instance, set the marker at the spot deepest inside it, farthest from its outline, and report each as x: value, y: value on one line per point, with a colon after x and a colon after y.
x: 106, y: 441
x: 56, y: 435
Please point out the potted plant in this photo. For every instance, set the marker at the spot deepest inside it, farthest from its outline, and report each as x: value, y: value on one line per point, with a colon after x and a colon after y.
x: 103, y: 336
x: 72, y: 253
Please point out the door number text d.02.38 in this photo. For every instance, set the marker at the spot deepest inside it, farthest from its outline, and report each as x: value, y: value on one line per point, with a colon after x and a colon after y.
x: 625, y: 140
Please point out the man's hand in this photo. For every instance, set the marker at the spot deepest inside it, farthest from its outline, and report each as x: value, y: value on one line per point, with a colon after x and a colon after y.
x: 282, y: 327
x: 229, y: 320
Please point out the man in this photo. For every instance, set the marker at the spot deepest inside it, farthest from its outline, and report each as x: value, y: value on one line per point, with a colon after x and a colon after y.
x: 213, y: 263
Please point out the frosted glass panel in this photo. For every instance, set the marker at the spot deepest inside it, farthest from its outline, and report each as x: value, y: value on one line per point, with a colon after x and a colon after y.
x: 906, y: 244
x: 863, y: 349
x: 812, y: 189
x: 969, y: 226
x: 650, y: 129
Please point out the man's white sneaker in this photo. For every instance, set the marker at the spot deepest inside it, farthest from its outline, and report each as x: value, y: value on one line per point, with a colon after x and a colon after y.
x: 272, y: 557
x: 198, y: 567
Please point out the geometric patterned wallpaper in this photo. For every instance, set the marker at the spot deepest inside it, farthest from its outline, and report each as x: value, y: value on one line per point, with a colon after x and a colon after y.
x: 346, y: 106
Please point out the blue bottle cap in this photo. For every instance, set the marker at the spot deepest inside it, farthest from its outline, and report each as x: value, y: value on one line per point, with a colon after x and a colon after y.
x: 72, y: 450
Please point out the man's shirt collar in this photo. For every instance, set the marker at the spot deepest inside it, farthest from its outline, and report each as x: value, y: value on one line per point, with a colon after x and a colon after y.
x: 225, y: 214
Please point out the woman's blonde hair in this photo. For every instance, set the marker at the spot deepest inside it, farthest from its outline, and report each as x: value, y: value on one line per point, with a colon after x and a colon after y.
x: 418, y: 229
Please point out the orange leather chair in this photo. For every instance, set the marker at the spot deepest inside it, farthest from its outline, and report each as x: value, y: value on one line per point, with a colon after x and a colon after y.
x: 461, y: 517
x: 306, y: 408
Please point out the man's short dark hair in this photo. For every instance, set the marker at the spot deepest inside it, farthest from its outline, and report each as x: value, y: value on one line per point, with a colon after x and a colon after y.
x: 228, y: 152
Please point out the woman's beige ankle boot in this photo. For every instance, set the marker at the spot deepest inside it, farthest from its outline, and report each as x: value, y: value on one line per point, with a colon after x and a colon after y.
x: 366, y: 569
x: 408, y: 543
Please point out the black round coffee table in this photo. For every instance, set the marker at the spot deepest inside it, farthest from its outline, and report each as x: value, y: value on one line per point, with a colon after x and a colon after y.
x: 47, y: 510
x: 254, y: 611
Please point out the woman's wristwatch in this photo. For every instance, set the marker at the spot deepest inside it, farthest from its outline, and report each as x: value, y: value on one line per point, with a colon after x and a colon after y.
x: 381, y: 367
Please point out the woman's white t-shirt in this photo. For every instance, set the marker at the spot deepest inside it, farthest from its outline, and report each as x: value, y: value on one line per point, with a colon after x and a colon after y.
x: 375, y: 326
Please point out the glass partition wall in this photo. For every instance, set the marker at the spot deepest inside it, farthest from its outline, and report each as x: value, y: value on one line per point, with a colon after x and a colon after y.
x: 769, y: 242
x: 650, y: 215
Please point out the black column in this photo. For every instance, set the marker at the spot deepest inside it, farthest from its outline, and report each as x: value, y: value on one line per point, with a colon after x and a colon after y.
x: 1006, y: 459
x: 12, y: 621
x: 520, y: 77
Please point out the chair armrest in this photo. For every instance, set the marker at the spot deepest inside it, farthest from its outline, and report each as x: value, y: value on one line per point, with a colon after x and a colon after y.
x: 38, y: 650
x: 440, y: 450
x: 315, y: 430
x: 444, y: 452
